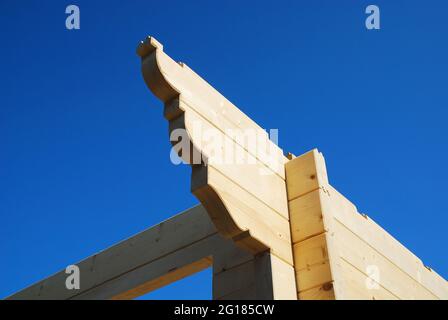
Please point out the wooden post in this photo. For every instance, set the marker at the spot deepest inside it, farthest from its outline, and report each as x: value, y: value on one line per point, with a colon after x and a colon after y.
x: 147, y: 261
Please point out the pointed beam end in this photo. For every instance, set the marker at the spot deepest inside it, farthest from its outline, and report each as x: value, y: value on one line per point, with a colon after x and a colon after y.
x: 147, y: 46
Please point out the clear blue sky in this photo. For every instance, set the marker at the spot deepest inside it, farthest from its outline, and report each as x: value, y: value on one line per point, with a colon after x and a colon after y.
x: 84, y: 150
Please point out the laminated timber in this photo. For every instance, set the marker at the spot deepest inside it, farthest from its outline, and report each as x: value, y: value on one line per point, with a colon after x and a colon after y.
x: 176, y: 248
x: 271, y: 229
x: 334, y: 248
x: 246, y: 199
x: 342, y: 254
x: 333, y: 245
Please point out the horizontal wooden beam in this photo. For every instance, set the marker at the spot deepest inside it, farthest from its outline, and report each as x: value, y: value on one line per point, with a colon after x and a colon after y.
x: 174, y: 249
x: 162, y: 254
x: 240, y: 177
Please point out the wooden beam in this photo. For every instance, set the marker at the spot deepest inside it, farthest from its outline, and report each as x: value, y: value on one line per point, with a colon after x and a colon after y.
x: 162, y: 254
x: 342, y: 254
x: 238, y: 275
x: 167, y: 252
x: 246, y: 198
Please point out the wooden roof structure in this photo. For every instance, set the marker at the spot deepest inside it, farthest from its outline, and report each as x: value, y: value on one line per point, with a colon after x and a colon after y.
x: 271, y: 226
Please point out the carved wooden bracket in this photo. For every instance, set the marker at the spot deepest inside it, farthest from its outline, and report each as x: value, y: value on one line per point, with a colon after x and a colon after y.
x: 240, y: 181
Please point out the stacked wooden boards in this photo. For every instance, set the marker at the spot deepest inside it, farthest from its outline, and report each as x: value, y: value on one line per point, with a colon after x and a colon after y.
x: 169, y: 251
x: 338, y: 253
x: 271, y: 228
x: 342, y: 254
x: 239, y: 180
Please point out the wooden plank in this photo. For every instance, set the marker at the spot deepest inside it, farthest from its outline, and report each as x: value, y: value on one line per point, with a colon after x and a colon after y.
x: 234, y: 279
x: 321, y: 292
x: 127, y: 257
x: 191, y: 103
x: 241, y: 166
x: 168, y: 80
x: 158, y: 282
x: 305, y: 176
x: 229, y: 256
x: 345, y: 213
x: 305, y: 173
x: 170, y: 251
x: 283, y: 278
x: 334, y: 244
x: 240, y: 275
x: 354, y: 286
x: 163, y: 271
x: 311, y: 263
x: 362, y: 256
x: 264, y: 277
x: 246, y: 293
x: 314, y: 275
x: 306, y: 216
x: 262, y: 221
x: 249, y: 141
x: 310, y: 252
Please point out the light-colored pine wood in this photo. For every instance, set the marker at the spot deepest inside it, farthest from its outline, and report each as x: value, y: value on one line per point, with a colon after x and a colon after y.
x: 182, y: 114
x: 306, y: 216
x: 168, y: 252
x: 321, y: 292
x: 346, y: 218
x: 271, y: 228
x: 361, y: 255
x: 248, y: 201
x: 234, y: 279
x: 252, y: 215
x: 304, y: 176
x: 305, y: 173
x: 263, y: 276
x: 336, y: 247
x: 175, y: 243
x: 311, y: 262
x: 353, y: 284
x: 283, y: 278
